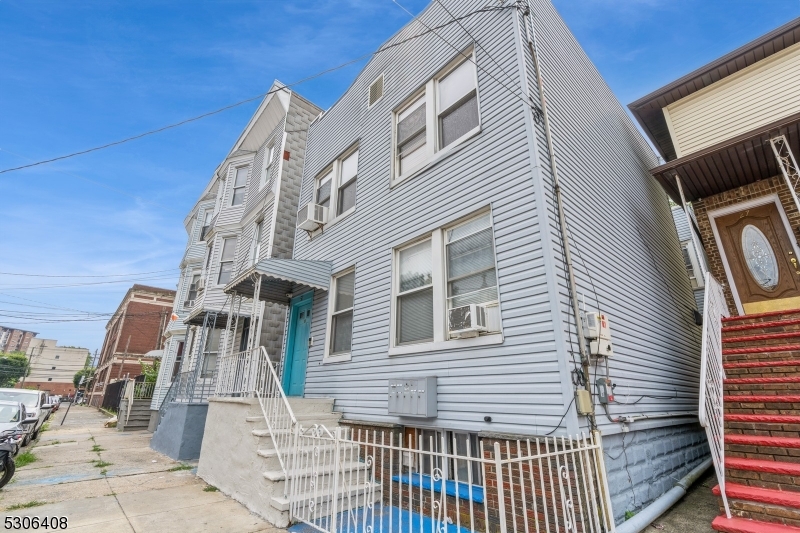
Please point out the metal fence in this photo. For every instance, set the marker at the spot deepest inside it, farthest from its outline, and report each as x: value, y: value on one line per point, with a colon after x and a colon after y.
x: 113, y: 395
x: 368, y: 482
x: 143, y: 390
x: 187, y: 387
x: 712, y: 376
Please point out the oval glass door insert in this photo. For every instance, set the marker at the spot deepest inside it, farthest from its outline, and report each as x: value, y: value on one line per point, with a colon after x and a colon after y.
x: 760, y: 258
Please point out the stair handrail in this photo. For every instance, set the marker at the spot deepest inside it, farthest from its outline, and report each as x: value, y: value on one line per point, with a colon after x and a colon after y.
x: 281, y: 421
x: 712, y: 376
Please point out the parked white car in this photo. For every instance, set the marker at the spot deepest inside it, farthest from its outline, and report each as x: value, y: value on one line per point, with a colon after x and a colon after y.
x: 36, y: 407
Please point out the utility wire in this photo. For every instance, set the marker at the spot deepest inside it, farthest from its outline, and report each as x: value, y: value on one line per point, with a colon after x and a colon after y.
x: 248, y: 100
x: 86, y: 276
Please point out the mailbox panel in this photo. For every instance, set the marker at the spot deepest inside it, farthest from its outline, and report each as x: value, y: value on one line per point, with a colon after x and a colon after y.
x: 413, y: 397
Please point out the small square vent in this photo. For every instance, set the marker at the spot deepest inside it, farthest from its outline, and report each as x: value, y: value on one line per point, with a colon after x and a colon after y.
x: 376, y: 90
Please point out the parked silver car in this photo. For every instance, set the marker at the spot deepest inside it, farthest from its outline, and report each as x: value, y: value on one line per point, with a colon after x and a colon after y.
x: 14, y: 422
x: 36, y: 408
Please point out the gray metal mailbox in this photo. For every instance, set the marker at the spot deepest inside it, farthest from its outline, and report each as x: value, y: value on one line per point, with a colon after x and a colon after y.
x: 413, y: 397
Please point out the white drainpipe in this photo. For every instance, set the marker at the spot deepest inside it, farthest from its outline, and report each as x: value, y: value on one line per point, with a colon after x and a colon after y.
x: 645, y: 517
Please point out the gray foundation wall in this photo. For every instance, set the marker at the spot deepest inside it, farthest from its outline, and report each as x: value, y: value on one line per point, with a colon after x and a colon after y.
x: 179, y: 435
x: 643, y: 465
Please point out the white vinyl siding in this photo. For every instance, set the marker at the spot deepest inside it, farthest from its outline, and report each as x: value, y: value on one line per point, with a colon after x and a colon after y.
x: 760, y: 94
x: 266, y: 170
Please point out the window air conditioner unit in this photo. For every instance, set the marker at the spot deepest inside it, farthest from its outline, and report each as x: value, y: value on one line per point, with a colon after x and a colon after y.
x: 467, y: 321
x: 311, y: 216
x: 188, y: 303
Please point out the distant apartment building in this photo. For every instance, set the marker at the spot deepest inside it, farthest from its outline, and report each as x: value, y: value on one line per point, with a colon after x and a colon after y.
x: 53, y: 367
x: 15, y: 340
x: 133, y: 335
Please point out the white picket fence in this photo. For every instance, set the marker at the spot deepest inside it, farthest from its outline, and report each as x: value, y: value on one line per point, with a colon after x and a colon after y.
x: 712, y: 376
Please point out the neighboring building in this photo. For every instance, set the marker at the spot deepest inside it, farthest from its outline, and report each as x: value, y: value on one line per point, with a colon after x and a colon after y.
x: 690, y: 258
x: 15, y: 340
x: 429, y: 187
x: 53, y: 367
x: 246, y: 212
x: 137, y: 327
x: 730, y: 135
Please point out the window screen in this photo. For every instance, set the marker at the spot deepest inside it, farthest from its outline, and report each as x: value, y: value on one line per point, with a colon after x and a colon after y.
x: 411, y: 137
x: 458, y: 103
x: 471, y: 274
x: 347, y: 189
x: 324, y: 190
x: 415, y: 294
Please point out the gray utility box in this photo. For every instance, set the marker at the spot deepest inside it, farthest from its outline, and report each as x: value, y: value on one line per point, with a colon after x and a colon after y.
x: 413, y: 397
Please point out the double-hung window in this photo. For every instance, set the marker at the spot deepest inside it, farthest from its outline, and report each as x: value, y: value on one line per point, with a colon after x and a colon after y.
x: 415, y: 294
x: 341, y: 319
x: 266, y: 166
x: 256, y: 251
x: 226, y: 260
x: 191, y: 294
x: 443, y: 112
x: 239, y: 185
x: 452, y: 267
x: 336, y: 187
x: 206, y: 224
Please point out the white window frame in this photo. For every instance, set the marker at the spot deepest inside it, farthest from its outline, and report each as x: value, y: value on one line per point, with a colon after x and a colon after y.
x: 208, y: 215
x: 255, y: 248
x: 335, y: 169
x: 234, y: 187
x: 266, y: 166
x: 339, y: 357
x: 189, y: 279
x: 431, y: 94
x: 232, y: 261
x: 441, y: 340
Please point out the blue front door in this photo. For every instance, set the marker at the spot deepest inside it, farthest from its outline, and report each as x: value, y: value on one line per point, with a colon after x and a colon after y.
x: 294, y: 378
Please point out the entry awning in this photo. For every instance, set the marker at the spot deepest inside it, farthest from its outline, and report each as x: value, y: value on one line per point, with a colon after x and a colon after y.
x: 280, y: 277
x: 729, y: 164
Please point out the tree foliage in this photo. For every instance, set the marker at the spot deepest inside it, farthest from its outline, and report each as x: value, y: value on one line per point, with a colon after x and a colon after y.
x: 88, y: 372
x: 150, y: 371
x: 13, y: 366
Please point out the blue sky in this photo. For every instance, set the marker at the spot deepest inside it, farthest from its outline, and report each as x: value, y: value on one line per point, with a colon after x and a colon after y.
x: 83, y: 73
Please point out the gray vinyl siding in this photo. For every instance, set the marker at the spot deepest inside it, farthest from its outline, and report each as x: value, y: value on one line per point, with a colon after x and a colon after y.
x: 519, y: 382
x: 625, y: 251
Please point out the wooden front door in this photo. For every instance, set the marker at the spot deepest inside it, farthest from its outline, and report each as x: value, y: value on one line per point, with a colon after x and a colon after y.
x: 761, y: 258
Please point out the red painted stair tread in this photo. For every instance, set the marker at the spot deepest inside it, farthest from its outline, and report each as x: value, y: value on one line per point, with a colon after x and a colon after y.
x: 765, y: 364
x: 758, y: 465
x: 763, y: 419
x: 762, y: 349
x: 759, y: 440
x: 757, y: 325
x: 749, y: 398
x: 744, y: 525
x: 762, y: 337
x: 761, y: 381
x: 761, y: 315
x: 759, y: 495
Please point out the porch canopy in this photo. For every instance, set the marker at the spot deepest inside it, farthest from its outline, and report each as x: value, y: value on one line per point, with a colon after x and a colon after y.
x: 281, y: 278
x: 198, y: 316
x: 729, y: 164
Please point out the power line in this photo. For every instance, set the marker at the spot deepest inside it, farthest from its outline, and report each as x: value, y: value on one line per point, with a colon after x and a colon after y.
x: 86, y: 276
x: 157, y: 278
x: 248, y: 100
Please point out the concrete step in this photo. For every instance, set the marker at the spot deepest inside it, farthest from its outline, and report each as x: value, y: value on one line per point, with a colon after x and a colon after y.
x: 269, y: 451
x: 326, y: 471
x: 320, y: 498
x: 311, y: 405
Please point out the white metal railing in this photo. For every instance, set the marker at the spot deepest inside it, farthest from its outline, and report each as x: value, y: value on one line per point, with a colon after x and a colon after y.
x: 712, y: 376
x: 143, y: 390
x: 357, y: 481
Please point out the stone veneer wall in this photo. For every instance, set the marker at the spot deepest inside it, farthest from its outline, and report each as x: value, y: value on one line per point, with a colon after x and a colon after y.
x: 776, y: 185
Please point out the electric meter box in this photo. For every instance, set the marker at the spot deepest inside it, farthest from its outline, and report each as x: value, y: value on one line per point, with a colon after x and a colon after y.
x: 413, y: 397
x: 598, y: 331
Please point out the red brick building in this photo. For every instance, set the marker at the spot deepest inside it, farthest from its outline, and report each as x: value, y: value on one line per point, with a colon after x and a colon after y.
x: 136, y: 328
x: 15, y: 340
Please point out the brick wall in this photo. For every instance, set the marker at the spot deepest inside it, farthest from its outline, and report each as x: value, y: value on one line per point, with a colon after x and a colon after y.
x: 776, y: 185
x: 143, y: 324
x: 54, y: 388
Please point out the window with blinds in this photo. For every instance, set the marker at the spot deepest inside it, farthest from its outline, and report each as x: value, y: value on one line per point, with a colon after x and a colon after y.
x: 471, y: 275
x: 415, y: 294
x: 342, y: 315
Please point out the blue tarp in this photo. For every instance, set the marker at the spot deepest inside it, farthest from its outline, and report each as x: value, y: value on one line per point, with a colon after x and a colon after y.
x: 386, y: 519
x: 415, y: 480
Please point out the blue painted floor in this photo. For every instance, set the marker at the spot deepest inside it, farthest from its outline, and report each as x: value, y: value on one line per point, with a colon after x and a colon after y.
x: 386, y: 520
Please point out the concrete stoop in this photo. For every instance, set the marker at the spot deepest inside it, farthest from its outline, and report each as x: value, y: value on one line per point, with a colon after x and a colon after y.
x: 238, y: 456
x: 137, y: 419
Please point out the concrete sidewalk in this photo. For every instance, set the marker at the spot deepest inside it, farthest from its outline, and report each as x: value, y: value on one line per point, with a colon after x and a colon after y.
x: 107, y: 481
